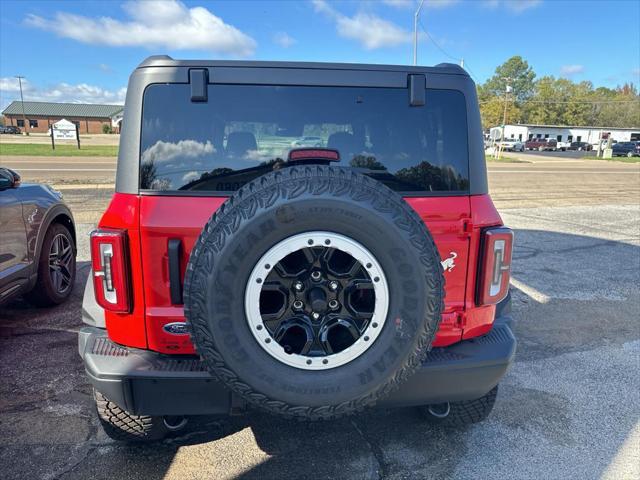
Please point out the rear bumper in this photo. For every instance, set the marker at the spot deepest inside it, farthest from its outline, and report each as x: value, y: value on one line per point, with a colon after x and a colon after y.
x: 148, y: 383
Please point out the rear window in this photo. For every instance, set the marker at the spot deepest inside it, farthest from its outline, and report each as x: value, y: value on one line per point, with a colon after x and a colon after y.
x: 244, y: 131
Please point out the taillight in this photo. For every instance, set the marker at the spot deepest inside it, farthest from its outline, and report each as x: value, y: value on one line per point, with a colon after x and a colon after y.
x: 495, y: 269
x: 110, y: 272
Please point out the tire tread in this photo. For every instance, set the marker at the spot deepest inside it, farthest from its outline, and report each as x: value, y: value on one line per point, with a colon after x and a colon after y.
x: 124, y: 426
x: 288, y: 184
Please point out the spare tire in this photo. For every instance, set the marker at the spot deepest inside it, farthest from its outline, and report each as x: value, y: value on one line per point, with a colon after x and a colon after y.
x: 313, y: 292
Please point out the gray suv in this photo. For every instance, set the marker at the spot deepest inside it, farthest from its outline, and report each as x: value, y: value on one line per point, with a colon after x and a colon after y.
x: 38, y: 242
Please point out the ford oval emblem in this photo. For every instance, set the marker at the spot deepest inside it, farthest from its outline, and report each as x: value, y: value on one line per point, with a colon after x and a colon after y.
x: 176, y: 328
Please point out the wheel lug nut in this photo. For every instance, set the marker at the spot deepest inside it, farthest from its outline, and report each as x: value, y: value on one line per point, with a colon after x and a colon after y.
x: 333, y: 285
x: 298, y: 305
x: 333, y: 304
x: 298, y: 286
x: 316, y: 275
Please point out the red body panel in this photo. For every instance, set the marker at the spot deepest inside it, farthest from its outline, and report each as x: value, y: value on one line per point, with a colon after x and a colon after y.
x: 128, y: 328
x: 455, y: 223
x: 478, y: 320
x: 162, y: 218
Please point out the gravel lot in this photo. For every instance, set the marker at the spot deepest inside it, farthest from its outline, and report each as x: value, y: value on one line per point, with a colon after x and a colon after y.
x: 567, y: 409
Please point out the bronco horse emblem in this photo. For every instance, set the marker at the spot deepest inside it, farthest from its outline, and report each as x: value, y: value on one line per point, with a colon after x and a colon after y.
x: 448, y: 263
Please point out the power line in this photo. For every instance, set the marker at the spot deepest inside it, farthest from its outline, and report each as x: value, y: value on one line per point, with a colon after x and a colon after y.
x: 447, y: 54
x: 473, y: 75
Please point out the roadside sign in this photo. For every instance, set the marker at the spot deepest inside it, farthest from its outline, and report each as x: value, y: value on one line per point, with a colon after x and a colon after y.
x: 64, y: 130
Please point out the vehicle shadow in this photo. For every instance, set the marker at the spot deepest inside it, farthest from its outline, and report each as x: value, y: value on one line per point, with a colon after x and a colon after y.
x: 576, y: 301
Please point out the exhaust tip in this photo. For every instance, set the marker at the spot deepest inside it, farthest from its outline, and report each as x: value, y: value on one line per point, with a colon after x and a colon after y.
x: 440, y: 410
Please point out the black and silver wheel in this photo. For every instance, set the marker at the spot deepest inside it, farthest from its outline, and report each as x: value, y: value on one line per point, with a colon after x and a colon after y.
x: 56, y: 267
x: 317, y: 300
x: 629, y: 154
x: 313, y: 292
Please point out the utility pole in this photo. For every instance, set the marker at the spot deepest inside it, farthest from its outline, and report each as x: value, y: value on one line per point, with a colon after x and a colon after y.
x: 24, y: 117
x: 507, y: 90
x: 415, y: 33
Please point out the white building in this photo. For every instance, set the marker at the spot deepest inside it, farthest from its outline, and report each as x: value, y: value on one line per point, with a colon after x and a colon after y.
x: 566, y: 133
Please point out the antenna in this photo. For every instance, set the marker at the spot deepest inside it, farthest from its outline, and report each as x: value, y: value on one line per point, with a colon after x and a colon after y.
x: 415, y: 33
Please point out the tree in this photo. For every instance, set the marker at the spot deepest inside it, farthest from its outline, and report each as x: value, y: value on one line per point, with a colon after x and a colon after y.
x: 521, y: 78
x: 558, y: 101
x: 618, y: 107
x: 492, y: 112
x: 555, y: 101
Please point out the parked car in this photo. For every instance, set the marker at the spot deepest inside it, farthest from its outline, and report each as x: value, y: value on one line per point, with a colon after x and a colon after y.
x: 310, y: 285
x: 9, y: 129
x: 37, y: 242
x: 563, y: 146
x: 542, y: 144
x: 627, y: 149
x: 307, y: 142
x: 581, y: 146
x: 511, y: 145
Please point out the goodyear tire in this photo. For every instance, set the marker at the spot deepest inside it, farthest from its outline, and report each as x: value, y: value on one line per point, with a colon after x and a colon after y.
x: 313, y: 292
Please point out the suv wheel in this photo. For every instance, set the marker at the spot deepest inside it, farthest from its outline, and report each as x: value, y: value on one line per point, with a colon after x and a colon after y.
x: 56, y: 268
x: 124, y: 426
x: 313, y: 292
x: 458, y: 414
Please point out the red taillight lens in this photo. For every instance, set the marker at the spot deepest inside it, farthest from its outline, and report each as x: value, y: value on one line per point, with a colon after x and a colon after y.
x: 495, y: 270
x: 110, y: 272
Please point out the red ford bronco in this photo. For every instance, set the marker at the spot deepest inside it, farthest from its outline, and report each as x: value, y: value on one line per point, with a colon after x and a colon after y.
x: 234, y: 268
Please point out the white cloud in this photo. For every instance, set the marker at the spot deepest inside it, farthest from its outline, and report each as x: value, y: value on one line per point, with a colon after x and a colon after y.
x: 515, y: 6
x: 61, y: 92
x: 400, y: 3
x: 368, y: 29
x: 191, y: 176
x: 413, y: 4
x: 568, y: 70
x: 153, y: 24
x: 161, y: 151
x: 284, y: 39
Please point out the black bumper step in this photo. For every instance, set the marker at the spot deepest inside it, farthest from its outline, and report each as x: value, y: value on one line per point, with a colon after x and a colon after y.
x: 149, y: 383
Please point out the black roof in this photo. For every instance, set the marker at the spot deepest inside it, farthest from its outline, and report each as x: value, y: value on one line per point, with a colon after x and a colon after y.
x: 56, y: 109
x: 167, y: 61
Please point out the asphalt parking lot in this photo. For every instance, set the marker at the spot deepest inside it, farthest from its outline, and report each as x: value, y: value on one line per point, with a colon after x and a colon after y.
x: 569, y: 407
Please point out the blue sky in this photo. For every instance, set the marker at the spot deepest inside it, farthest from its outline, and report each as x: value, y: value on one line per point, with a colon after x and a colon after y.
x: 84, y: 51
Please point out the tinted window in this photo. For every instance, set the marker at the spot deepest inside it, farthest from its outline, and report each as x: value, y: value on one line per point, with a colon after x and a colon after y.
x: 244, y: 131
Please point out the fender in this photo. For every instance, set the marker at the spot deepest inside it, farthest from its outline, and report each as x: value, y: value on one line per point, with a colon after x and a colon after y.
x: 53, y: 212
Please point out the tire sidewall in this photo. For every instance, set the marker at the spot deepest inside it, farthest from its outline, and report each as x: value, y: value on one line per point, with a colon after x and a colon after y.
x: 214, y: 302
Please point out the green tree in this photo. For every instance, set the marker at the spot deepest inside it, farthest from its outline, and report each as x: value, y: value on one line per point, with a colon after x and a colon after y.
x: 517, y: 73
x: 619, y: 107
x: 559, y: 101
x: 492, y: 112
x: 555, y: 101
